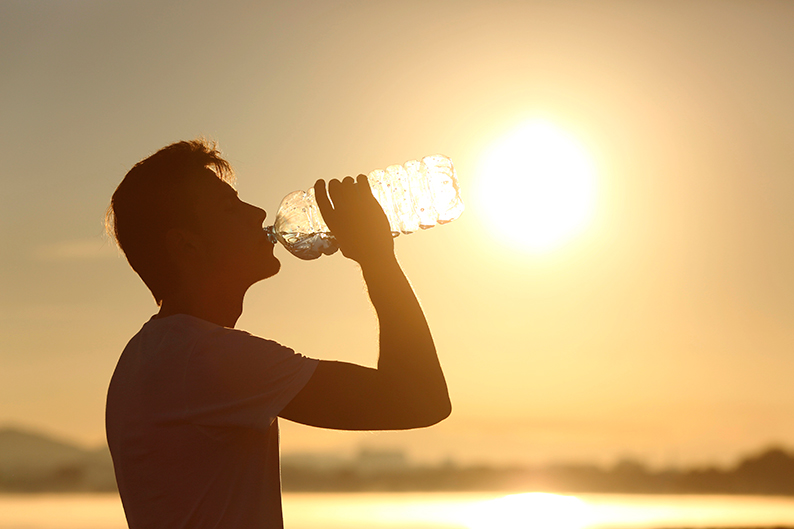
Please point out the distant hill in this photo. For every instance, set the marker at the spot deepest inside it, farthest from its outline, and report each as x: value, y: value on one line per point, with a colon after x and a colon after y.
x: 35, y: 462
x: 23, y: 449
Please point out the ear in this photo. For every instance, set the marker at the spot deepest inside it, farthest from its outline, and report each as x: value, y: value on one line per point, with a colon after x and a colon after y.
x: 184, y: 247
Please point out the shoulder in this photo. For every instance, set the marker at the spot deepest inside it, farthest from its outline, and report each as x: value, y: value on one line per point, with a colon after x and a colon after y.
x: 174, y: 329
x: 236, y: 341
x: 204, y: 334
x: 236, y: 363
x: 222, y: 348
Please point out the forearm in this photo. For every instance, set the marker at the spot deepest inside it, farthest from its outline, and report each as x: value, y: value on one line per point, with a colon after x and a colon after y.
x: 407, y: 355
x: 408, y: 389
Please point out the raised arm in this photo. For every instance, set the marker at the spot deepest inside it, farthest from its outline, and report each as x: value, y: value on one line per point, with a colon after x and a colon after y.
x: 408, y: 389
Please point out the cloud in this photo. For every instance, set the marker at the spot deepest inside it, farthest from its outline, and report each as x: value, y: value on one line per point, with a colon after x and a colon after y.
x: 76, y: 250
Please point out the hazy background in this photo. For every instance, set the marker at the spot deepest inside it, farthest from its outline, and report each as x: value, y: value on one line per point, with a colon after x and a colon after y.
x: 665, y: 331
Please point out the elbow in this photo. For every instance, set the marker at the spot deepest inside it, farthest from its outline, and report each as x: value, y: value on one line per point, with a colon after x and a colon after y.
x: 436, y: 413
x: 444, y: 411
x: 420, y: 407
x: 438, y: 407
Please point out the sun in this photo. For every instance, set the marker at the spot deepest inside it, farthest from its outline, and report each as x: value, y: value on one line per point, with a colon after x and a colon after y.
x: 537, y: 187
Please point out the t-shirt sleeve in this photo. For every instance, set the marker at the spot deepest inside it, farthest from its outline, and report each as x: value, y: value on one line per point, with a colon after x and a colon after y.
x: 236, y: 379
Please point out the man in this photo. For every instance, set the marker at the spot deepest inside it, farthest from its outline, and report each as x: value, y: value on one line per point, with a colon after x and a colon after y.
x: 193, y: 405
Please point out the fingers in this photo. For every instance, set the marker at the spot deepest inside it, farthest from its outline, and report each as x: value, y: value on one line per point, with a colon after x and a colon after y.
x: 354, y: 216
x: 342, y: 193
x: 365, y: 191
x: 363, y: 183
x: 321, y: 195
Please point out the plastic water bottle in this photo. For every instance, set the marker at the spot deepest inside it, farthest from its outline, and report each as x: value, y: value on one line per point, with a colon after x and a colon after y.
x: 416, y: 195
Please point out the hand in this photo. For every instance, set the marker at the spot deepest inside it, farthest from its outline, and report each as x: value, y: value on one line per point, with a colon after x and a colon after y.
x: 356, y: 219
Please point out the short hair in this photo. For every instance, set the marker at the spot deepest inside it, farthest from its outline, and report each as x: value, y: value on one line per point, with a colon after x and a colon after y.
x: 154, y: 197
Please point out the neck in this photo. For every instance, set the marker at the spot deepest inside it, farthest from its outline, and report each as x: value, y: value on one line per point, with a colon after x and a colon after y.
x: 221, y: 308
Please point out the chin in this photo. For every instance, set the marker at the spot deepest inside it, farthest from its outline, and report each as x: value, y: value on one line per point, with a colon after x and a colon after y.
x: 273, y: 268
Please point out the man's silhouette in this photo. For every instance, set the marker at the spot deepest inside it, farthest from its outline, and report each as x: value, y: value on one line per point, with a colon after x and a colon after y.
x: 193, y: 405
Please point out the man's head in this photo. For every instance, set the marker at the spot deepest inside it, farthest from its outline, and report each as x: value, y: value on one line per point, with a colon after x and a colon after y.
x: 177, y: 211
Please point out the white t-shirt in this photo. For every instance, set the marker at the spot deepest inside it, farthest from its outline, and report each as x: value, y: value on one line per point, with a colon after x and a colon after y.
x: 192, y: 425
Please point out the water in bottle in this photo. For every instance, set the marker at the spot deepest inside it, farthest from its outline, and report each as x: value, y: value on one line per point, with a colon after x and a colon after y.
x: 416, y: 195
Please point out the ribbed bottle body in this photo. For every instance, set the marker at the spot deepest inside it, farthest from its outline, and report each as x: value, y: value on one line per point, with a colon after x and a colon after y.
x: 416, y: 195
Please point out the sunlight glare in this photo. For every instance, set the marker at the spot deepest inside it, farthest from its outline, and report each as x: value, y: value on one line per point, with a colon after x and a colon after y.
x: 537, y: 187
x: 530, y: 510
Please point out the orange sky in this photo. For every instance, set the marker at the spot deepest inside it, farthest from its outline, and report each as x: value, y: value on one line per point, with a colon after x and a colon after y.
x: 664, y: 331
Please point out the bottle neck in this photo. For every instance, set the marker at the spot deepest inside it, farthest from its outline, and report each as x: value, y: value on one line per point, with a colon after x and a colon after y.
x: 271, y: 234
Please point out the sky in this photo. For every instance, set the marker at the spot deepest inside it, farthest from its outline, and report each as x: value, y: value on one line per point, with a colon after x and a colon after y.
x: 663, y: 330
